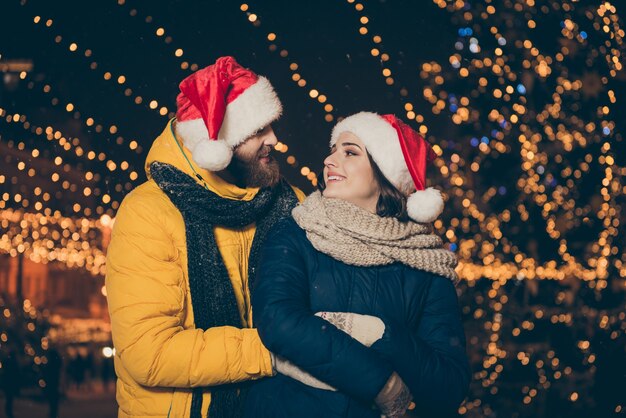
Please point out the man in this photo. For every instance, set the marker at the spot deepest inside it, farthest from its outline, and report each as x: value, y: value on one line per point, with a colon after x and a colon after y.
x: 184, y: 250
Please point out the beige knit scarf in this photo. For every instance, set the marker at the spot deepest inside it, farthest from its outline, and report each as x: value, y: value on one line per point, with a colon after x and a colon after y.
x: 357, y: 237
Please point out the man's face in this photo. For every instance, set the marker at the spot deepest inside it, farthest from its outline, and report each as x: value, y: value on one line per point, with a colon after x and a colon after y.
x: 253, y: 163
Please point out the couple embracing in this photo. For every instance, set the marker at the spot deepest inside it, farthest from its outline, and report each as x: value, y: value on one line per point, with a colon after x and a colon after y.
x: 353, y: 296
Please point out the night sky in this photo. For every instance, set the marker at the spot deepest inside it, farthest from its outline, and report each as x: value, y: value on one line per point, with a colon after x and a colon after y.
x: 321, y: 37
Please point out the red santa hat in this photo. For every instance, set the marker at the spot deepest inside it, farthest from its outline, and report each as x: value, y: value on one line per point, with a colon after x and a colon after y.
x: 402, y: 156
x: 221, y: 106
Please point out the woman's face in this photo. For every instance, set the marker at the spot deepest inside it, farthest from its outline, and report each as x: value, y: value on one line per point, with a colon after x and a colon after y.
x: 348, y: 173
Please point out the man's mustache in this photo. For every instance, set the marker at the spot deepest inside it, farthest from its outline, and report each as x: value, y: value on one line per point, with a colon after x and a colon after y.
x: 266, y: 151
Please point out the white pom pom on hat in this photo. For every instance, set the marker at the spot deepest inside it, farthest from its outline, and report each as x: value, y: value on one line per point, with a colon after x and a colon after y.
x: 402, y: 156
x: 212, y: 155
x: 425, y: 205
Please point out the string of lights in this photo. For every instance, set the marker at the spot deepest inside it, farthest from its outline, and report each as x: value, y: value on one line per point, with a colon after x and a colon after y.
x: 75, y: 242
x: 384, y: 57
x: 67, y: 144
x: 90, y: 122
x: 20, y: 160
x: 314, y: 93
x: 111, y: 166
x: 296, y: 77
x: 161, y: 33
x: 106, y: 75
x: 51, y: 134
x: 115, y: 167
x: 79, y: 151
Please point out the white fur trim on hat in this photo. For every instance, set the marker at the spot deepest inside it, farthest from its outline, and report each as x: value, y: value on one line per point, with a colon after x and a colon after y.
x: 382, y: 143
x: 425, y: 205
x: 255, y: 108
x: 212, y: 155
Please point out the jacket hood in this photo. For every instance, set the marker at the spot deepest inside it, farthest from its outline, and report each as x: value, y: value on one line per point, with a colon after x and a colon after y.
x: 169, y: 149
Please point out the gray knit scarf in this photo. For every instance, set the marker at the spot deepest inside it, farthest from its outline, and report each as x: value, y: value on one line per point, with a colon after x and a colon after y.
x: 212, y: 296
x: 357, y: 237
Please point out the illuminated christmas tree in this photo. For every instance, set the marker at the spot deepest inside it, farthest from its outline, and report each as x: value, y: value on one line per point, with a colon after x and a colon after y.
x: 534, y: 166
x: 534, y: 174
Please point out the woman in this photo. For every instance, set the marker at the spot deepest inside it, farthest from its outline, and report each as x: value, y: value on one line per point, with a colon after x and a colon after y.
x: 359, y: 252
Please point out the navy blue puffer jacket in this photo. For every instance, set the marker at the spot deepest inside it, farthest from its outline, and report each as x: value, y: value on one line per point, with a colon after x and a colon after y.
x: 424, y: 340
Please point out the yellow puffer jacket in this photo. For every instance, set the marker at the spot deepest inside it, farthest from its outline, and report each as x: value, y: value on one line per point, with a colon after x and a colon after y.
x: 159, y: 353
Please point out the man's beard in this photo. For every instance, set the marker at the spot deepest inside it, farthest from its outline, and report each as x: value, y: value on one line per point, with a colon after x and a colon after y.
x: 250, y: 171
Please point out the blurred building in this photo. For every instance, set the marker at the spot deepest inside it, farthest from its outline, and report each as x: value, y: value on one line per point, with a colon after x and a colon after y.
x: 73, y: 297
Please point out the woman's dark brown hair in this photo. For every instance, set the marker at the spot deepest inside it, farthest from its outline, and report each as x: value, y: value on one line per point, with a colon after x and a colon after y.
x: 391, y: 202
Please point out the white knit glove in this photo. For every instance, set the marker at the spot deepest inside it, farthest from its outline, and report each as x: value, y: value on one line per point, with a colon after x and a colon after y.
x: 284, y: 366
x: 366, y: 329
